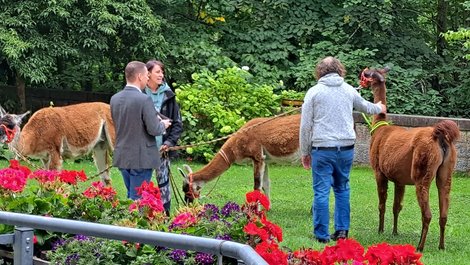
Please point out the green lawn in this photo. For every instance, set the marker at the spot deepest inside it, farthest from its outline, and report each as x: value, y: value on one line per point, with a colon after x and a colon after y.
x: 291, y: 198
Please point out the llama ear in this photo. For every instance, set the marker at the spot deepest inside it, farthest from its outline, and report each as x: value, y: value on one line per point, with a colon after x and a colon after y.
x: 188, y: 168
x: 2, y: 112
x: 20, y: 117
x: 185, y: 177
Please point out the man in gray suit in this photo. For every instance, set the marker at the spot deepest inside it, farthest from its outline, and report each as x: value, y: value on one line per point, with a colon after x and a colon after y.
x: 137, y: 123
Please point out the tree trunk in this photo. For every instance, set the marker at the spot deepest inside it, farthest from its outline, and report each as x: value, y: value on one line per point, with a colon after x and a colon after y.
x: 441, y: 26
x: 20, y: 86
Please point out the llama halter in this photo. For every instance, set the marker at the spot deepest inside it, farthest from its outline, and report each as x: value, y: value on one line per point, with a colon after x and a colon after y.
x: 364, y: 82
x: 190, y: 190
x: 10, y: 133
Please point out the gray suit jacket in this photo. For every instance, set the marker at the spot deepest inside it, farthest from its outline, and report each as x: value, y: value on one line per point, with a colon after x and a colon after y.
x: 137, y: 124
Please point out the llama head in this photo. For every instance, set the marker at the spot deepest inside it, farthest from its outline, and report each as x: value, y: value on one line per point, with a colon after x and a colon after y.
x: 9, y: 125
x: 373, y: 77
x: 191, y: 188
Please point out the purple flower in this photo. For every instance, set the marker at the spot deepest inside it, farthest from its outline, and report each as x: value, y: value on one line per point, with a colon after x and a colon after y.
x: 72, y: 259
x: 224, y: 237
x: 81, y: 237
x: 177, y: 255
x: 214, y: 217
x: 160, y: 248
x: 57, y: 244
x: 229, y: 208
x: 212, y: 208
x: 204, y: 259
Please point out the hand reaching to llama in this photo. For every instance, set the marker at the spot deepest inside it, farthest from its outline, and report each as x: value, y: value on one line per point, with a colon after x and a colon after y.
x: 384, y: 108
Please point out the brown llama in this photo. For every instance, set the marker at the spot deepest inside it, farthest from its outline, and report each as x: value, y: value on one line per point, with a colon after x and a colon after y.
x: 411, y: 157
x: 54, y: 133
x: 262, y: 140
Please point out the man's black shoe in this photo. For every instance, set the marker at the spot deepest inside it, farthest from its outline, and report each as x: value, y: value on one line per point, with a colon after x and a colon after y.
x: 339, y: 234
x: 321, y: 240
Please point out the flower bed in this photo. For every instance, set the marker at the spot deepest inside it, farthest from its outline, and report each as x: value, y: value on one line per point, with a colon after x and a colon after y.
x: 55, y: 193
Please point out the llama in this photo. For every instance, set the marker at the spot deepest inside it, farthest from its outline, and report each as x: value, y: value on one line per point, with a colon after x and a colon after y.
x: 54, y: 133
x: 262, y: 140
x: 411, y: 157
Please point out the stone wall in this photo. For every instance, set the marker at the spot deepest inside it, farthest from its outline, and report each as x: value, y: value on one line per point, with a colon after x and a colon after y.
x: 409, y: 121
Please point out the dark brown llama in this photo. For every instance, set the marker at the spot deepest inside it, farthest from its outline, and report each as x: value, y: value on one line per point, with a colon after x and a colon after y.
x: 261, y: 140
x: 411, y: 157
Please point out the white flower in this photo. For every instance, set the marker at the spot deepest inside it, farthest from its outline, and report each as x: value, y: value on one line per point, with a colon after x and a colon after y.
x: 246, y: 68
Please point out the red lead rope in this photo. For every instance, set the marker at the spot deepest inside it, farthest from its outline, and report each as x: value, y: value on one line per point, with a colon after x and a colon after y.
x: 9, y: 132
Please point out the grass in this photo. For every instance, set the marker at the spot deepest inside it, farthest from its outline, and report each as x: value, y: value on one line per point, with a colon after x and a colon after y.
x: 291, y: 199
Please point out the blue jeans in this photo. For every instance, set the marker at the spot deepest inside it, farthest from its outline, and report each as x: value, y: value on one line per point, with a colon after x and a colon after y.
x: 331, y: 168
x: 133, y: 178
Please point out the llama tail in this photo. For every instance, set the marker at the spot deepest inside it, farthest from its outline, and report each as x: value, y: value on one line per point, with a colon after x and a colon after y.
x: 446, y: 131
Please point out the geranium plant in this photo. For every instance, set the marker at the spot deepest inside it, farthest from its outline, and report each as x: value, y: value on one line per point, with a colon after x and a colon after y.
x: 56, y: 194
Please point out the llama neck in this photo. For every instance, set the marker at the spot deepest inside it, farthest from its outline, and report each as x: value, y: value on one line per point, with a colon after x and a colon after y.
x: 380, y: 95
x: 218, y: 165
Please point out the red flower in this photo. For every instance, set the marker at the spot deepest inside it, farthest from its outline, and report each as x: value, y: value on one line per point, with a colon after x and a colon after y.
x: 271, y: 253
x: 12, y: 179
x: 72, y: 176
x: 150, y: 200
x: 97, y: 189
x: 252, y: 229
x: 273, y: 229
x: 150, y: 188
x: 257, y: 196
x: 15, y: 164
x: 349, y: 249
x: 308, y: 256
x: 45, y: 176
x: 183, y: 220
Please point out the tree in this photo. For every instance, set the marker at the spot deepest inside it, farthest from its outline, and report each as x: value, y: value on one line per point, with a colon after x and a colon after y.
x: 42, y: 40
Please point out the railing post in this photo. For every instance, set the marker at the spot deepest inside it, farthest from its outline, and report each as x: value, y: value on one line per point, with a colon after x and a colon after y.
x: 23, y: 246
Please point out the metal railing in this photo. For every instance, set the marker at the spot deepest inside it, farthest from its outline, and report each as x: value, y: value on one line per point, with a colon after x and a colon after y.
x: 23, y: 237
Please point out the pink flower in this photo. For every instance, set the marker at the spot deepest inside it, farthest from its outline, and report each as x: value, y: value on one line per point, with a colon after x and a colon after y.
x: 183, y: 220
x: 12, y: 179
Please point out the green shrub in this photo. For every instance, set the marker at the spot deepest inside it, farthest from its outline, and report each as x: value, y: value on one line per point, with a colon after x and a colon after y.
x: 218, y: 104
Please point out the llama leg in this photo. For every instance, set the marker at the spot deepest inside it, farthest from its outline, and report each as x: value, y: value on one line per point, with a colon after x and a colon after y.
x: 101, y: 158
x: 46, y: 161
x: 266, y: 180
x: 382, y: 186
x: 422, y: 192
x: 443, y: 182
x: 259, y: 167
x: 55, y: 160
x: 257, y: 175
x: 397, y: 206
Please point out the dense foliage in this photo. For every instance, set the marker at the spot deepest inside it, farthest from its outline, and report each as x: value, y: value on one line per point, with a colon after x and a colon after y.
x: 84, y: 45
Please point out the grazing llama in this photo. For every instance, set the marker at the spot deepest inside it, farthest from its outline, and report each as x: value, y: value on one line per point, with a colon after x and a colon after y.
x: 56, y: 133
x: 411, y: 157
x: 262, y: 140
